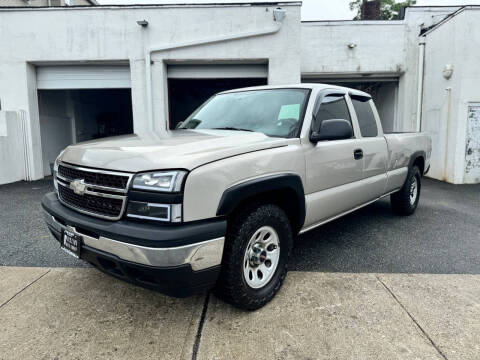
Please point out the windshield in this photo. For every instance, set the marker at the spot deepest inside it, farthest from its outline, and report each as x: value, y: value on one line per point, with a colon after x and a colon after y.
x: 274, y: 112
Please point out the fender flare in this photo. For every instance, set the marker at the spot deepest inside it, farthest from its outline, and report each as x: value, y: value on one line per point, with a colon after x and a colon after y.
x: 233, y: 196
x: 415, y: 156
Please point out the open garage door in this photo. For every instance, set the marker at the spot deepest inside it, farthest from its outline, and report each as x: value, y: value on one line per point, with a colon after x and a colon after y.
x: 80, y: 103
x: 383, y: 89
x: 189, y: 86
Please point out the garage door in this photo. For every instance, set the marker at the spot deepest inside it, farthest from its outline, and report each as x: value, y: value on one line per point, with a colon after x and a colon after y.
x: 217, y: 71
x: 83, y: 77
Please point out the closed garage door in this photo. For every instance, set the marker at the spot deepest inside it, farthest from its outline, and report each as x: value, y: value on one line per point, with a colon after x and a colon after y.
x: 191, y: 85
x: 83, y: 77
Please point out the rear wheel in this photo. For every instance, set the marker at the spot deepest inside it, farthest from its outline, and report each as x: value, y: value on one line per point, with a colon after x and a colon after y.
x: 405, y: 201
x: 255, y: 259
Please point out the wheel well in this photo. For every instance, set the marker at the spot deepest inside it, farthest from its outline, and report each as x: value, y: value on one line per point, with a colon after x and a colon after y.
x: 285, y: 198
x: 420, y: 163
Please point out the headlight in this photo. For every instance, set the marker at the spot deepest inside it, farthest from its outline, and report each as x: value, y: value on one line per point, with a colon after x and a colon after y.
x: 55, y: 171
x: 167, y: 181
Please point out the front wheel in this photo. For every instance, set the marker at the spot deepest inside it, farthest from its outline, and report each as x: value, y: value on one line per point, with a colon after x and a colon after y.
x: 405, y: 201
x: 257, y: 248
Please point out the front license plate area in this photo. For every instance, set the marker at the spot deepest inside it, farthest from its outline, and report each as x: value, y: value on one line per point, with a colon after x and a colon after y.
x: 71, y: 243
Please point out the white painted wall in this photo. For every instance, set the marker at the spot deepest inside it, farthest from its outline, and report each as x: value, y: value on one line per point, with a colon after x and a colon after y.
x: 11, y: 147
x: 30, y: 37
x: 110, y: 35
x: 416, y: 18
x: 325, y: 47
x: 445, y: 101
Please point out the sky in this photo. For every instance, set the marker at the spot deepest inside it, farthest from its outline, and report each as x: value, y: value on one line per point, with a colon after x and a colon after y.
x: 311, y: 9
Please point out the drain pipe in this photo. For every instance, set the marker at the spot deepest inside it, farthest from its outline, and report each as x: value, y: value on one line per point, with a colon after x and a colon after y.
x: 278, y: 17
x: 421, y: 66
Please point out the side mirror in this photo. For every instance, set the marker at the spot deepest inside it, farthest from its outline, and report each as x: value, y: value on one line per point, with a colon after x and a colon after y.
x: 180, y: 123
x: 334, y: 129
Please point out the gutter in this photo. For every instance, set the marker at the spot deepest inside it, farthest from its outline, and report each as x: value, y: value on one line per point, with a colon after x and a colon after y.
x: 278, y: 17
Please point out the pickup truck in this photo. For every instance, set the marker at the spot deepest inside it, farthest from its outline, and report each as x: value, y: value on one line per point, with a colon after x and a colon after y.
x: 217, y: 202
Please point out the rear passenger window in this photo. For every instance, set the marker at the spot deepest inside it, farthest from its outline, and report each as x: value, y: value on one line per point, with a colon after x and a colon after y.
x: 332, y: 107
x: 366, y: 119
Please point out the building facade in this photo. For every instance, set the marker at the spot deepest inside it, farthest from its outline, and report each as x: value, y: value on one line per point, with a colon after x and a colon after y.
x: 70, y: 74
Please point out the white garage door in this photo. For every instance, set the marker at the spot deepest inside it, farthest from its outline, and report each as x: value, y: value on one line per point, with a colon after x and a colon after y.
x: 217, y: 71
x: 83, y: 77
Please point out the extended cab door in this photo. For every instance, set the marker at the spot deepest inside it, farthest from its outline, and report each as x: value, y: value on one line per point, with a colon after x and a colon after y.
x: 333, y: 173
x: 372, y: 146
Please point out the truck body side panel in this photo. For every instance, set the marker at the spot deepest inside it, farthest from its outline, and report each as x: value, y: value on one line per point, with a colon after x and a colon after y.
x: 401, y: 148
x: 206, y: 184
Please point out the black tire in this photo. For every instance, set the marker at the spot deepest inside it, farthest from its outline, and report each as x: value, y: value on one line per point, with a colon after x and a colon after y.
x: 401, y: 201
x: 232, y: 286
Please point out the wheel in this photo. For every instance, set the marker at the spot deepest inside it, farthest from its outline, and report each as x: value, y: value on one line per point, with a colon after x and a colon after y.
x: 405, y: 201
x: 258, y: 245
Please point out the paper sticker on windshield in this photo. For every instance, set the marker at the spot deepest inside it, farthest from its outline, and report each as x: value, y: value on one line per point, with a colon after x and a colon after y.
x: 291, y: 111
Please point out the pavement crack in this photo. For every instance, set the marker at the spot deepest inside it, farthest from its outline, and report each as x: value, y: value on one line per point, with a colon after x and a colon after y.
x: 413, y: 319
x: 17, y: 293
x: 198, y: 337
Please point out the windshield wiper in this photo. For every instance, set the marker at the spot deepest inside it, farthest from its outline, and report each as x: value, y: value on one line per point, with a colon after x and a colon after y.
x: 231, y: 128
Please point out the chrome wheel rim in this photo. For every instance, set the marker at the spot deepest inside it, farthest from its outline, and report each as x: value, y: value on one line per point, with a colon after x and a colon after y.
x: 413, y: 191
x: 261, y: 257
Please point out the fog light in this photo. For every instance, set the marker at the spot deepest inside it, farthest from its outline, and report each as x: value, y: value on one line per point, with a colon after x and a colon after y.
x: 148, y: 211
x: 153, y: 211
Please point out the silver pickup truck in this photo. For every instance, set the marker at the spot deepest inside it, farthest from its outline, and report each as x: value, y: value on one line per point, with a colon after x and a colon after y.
x: 218, y: 202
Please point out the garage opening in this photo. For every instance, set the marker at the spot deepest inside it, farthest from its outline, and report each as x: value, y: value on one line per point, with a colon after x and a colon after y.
x: 189, y: 86
x: 71, y: 116
x: 81, y: 103
x: 383, y: 91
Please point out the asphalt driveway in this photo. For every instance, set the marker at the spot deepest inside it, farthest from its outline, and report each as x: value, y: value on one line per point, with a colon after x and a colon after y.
x: 442, y: 237
x: 368, y: 286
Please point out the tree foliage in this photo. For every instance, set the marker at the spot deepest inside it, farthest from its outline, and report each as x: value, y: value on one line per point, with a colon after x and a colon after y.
x: 389, y: 9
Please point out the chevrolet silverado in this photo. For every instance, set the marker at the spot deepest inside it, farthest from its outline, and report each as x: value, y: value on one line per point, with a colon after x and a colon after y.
x: 217, y: 202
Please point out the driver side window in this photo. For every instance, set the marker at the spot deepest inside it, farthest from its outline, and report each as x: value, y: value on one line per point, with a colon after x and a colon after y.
x: 333, y: 106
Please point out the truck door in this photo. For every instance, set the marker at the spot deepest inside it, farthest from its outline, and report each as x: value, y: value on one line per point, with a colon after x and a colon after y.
x: 371, y: 146
x: 333, y: 174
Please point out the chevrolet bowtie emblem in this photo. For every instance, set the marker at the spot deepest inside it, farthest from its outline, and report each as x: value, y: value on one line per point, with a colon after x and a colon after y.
x: 78, y: 186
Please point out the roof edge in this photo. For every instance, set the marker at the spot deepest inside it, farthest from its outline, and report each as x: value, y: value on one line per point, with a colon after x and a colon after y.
x: 154, y: 6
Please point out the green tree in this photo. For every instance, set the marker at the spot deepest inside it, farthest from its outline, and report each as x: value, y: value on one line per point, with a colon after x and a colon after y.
x: 389, y: 9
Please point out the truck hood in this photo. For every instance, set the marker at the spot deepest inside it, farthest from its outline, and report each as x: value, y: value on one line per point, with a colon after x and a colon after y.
x: 179, y: 149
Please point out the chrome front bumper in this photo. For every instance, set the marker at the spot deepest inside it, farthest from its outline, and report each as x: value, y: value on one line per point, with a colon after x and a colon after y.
x: 199, y: 256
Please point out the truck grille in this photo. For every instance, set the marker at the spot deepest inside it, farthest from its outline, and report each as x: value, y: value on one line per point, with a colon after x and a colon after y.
x: 94, y: 192
x: 94, y: 178
x: 93, y: 204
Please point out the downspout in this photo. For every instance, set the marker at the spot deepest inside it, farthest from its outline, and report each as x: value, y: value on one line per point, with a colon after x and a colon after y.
x: 447, y: 130
x: 278, y: 17
x: 421, y: 66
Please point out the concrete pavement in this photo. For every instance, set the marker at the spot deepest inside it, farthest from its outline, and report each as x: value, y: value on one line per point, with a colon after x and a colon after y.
x: 65, y: 313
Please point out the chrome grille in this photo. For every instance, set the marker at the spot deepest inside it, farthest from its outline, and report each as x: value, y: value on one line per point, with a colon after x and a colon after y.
x: 93, y: 178
x: 102, y: 194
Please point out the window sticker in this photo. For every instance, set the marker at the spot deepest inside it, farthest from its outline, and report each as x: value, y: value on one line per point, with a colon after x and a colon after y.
x: 291, y: 111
